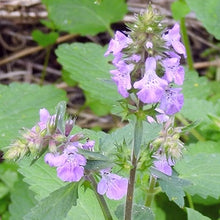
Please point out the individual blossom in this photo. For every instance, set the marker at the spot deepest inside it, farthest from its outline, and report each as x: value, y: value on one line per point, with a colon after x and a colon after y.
x: 70, y: 164
x: 162, y: 164
x: 172, y: 101
x: 151, y: 86
x: 173, y: 71
x: 114, y: 186
x: 121, y: 77
x: 89, y: 145
x: 172, y: 37
x: 116, y: 45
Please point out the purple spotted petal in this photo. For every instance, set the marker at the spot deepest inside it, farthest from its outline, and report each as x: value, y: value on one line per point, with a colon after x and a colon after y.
x: 151, y: 86
x: 121, y: 77
x: 173, y: 72
x: 70, y: 173
x: 172, y: 101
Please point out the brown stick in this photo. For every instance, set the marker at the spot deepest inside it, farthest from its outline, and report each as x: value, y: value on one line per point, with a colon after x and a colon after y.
x: 201, y: 65
x: 31, y: 50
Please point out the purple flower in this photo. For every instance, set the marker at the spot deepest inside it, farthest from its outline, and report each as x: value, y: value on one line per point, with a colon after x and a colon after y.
x: 173, y: 38
x: 173, y: 72
x: 116, y: 45
x: 89, y: 145
x: 151, y: 86
x: 172, y: 101
x: 113, y: 185
x: 121, y: 77
x: 70, y: 164
x: 149, y: 44
x: 44, y: 118
x: 163, y: 165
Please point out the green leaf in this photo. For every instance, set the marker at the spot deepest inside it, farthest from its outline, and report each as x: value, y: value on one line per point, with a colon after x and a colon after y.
x: 196, y: 90
x: 173, y: 186
x: 43, y: 39
x: 3, y: 190
x: 195, y: 215
x: 56, y: 205
x: 88, y: 66
x: 139, y: 212
x: 87, y: 207
x: 195, y: 86
x: 40, y: 176
x: 179, y: 9
x: 20, y: 207
x: 8, y: 174
x: 197, y: 109
x: 96, y: 165
x: 83, y: 16
x: 20, y: 105
x: 208, y: 13
x: 202, y: 170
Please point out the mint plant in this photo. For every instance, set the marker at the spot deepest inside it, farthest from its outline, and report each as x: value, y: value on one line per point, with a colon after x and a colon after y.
x: 122, y: 174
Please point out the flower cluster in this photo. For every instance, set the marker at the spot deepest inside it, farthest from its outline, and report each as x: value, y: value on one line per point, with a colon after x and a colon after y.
x: 167, y: 148
x: 64, y: 153
x: 147, y: 61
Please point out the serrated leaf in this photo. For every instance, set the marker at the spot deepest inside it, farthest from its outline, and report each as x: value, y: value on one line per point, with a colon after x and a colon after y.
x: 40, y: 176
x: 83, y: 16
x: 208, y: 13
x: 173, y: 186
x: 88, y: 66
x: 19, y: 207
x: 202, y: 170
x: 195, y: 215
x: 43, y: 39
x: 20, y: 105
x: 179, y: 9
x: 56, y: 205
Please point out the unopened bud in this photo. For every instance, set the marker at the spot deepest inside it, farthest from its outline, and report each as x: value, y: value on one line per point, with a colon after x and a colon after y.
x: 69, y: 126
x: 76, y: 137
x: 52, y: 146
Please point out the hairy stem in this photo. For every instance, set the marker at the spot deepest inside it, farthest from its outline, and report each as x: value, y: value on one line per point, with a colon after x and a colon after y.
x: 189, y: 198
x: 151, y: 191
x: 187, y: 44
x: 105, y: 210
x: 138, y: 131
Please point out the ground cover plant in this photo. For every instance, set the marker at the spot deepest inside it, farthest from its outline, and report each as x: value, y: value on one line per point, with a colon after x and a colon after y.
x: 160, y: 157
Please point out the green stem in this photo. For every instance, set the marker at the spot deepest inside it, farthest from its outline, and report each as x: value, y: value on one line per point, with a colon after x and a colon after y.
x: 193, y: 131
x: 111, y: 32
x: 138, y: 131
x: 105, y: 210
x: 187, y: 44
x: 189, y: 197
x: 46, y: 61
x: 151, y: 192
